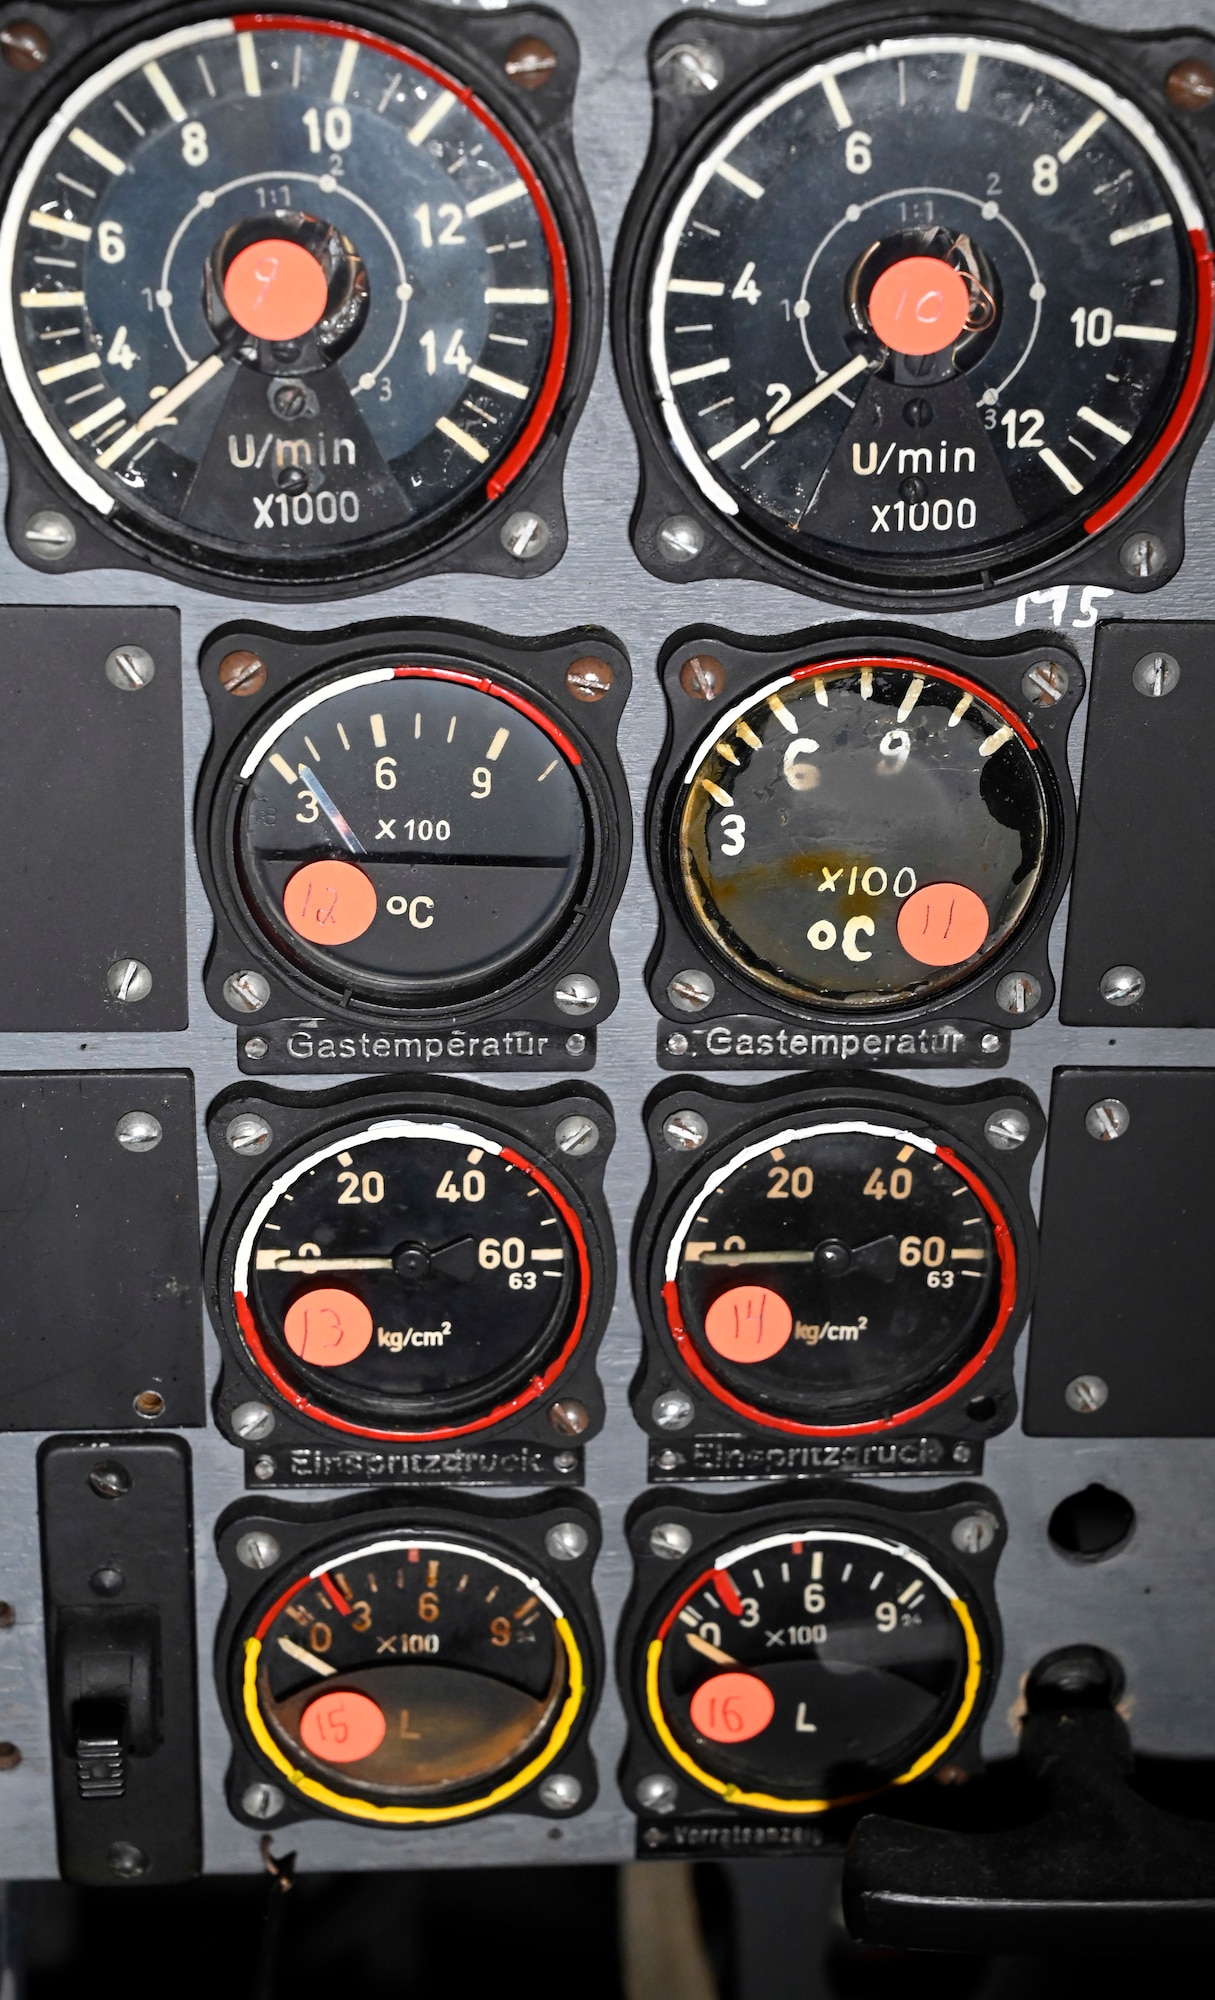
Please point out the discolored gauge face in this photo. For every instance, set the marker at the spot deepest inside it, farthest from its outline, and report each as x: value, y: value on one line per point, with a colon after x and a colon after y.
x: 281, y: 296
x: 813, y: 1667
x: 409, y: 834
x: 928, y: 308
x: 409, y: 1274
x: 863, y: 836
x: 413, y: 1672
x: 838, y: 1274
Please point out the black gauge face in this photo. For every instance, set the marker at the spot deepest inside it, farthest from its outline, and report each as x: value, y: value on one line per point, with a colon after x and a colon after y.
x: 838, y: 1275
x: 283, y: 295
x: 863, y: 836
x: 411, y: 1678
x: 929, y: 308
x: 812, y: 1668
x: 410, y: 834
x: 411, y: 1276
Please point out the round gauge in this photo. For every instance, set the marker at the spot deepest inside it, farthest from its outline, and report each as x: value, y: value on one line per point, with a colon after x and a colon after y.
x: 411, y: 1278
x: 410, y: 836
x: 411, y: 1679
x: 812, y: 1668
x: 929, y: 311
x: 281, y: 298
x: 841, y: 1275
x: 865, y: 835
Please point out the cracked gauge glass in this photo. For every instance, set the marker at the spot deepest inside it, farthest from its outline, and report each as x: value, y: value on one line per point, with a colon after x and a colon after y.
x: 281, y: 298
x: 418, y: 1678
x: 930, y: 311
x: 811, y: 1668
x: 838, y: 1276
x: 866, y: 835
x: 411, y: 1278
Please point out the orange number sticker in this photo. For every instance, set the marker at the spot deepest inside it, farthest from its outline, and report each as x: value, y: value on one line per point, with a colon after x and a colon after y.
x: 748, y: 1323
x: 731, y: 1707
x: 942, y: 924
x: 328, y: 1327
x: 329, y: 902
x: 342, y: 1726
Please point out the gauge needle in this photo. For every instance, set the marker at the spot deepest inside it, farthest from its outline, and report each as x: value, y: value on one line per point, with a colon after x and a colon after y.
x: 865, y: 1256
x: 269, y: 1260
x: 337, y: 819
x: 700, y: 1645
x: 859, y: 365
x: 160, y: 411
x: 305, y: 1659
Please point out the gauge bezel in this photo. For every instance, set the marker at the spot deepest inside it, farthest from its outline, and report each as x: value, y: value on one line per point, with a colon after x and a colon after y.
x: 737, y: 1117
x: 752, y: 665
x: 528, y: 674
x: 511, y: 1532
x: 307, y: 1124
x: 757, y: 57
x: 920, y: 1524
x: 464, y: 535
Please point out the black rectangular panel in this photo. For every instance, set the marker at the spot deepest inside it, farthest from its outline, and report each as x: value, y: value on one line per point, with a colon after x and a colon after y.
x: 99, y: 1252
x: 118, y: 1580
x: 1143, y: 891
x: 92, y: 819
x: 1124, y: 1288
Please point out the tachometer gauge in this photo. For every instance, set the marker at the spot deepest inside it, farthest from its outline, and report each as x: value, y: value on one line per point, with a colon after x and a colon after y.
x: 922, y: 311
x: 282, y: 300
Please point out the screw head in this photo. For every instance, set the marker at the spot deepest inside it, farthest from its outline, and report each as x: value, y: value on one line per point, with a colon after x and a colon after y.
x: 149, y: 1404
x: 529, y: 63
x: 1143, y: 555
x: 25, y: 45
x: 138, y: 1132
x: 575, y: 1045
x: 680, y: 539
x: 990, y: 1044
x: 524, y: 536
x: 657, y: 1793
x: 127, y: 1861
x: 577, y: 1135
x: 109, y: 1481
x: 566, y: 1541
x: 1190, y: 84
x: 257, y: 1549
x: 684, y: 1131
x: 262, y: 1801
x: 669, y: 1461
x: 128, y: 980
x: 1123, y: 985
x: 1107, y: 1119
x: 677, y: 1045
x: 248, y: 1133
x: 108, y: 1581
x: 256, y: 1047
x: 1018, y: 993
x: 702, y: 677
x: 1045, y: 683
x: 565, y: 1462
x: 974, y: 1533
x: 252, y: 1422
x: 242, y: 673
x: 589, y: 679
x: 1006, y: 1129
x: 246, y: 992
x: 1156, y: 674
x: 49, y: 535
x: 569, y: 1417
x: 129, y: 668
x: 577, y: 993
x: 692, y: 68
x: 691, y: 990
x: 670, y: 1540
x: 1086, y: 1394
x: 264, y: 1467
x: 560, y: 1792
x: 673, y: 1410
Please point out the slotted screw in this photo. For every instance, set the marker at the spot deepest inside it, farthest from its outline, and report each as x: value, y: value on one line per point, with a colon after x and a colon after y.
x: 49, y: 535
x: 246, y: 992
x: 695, y: 68
x: 138, y: 1132
x: 1107, y: 1119
x: 1143, y: 555
x: 1156, y: 674
x: 248, y: 1133
x: 525, y: 536
x: 680, y: 539
x: 577, y: 993
x: 252, y: 1422
x: 242, y: 672
x: 566, y: 1541
x: 974, y: 1532
x: 1086, y: 1394
x: 670, y: 1540
x: 1018, y: 993
x: 589, y: 679
x: 577, y: 1135
x: 702, y: 677
x: 684, y: 1131
x: 257, y: 1549
x: 1045, y: 683
x: 129, y: 980
x: 691, y: 990
x: 129, y: 668
x: 1123, y: 985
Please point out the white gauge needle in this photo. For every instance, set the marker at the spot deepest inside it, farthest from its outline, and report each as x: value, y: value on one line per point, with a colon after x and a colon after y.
x: 305, y: 1659
x: 747, y: 1257
x: 337, y: 819
x: 700, y: 1645
x: 859, y: 365
x: 160, y: 411
x: 276, y: 1263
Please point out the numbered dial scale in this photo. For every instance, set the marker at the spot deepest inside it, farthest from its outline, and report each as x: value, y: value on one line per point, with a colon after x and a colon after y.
x: 282, y: 299
x: 865, y: 835
x: 810, y: 1667
x: 409, y: 836
x: 838, y: 1275
x: 928, y: 311
x: 410, y: 1679
x: 413, y: 1277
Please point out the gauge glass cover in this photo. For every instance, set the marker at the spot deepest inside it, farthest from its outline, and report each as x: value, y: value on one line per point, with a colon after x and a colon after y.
x: 934, y: 307
x: 838, y: 1275
x: 867, y: 835
x: 280, y: 293
x: 411, y: 835
x: 812, y: 1668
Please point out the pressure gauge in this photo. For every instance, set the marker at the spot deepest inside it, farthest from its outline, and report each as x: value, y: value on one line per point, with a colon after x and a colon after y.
x: 410, y: 1677
x: 920, y: 311
x: 282, y: 300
